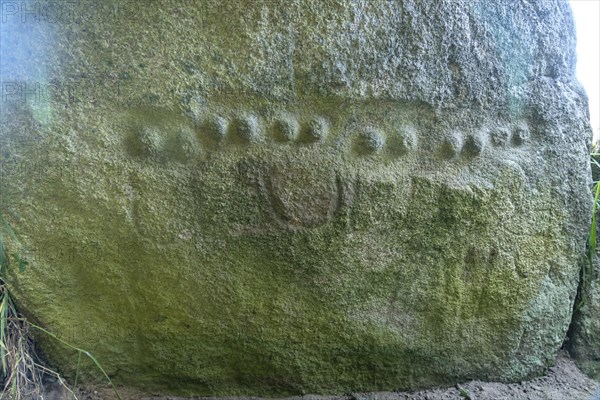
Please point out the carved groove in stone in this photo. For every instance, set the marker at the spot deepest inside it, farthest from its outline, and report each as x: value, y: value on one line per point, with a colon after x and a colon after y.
x: 318, y: 209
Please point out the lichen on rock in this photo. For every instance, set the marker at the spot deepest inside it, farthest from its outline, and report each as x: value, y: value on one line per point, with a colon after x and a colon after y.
x: 309, y: 197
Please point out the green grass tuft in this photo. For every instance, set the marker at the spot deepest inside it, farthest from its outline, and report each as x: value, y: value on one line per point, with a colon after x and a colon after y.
x: 587, y: 270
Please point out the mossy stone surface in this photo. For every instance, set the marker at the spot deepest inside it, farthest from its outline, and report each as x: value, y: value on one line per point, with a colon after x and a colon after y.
x: 173, y: 233
x: 584, y: 334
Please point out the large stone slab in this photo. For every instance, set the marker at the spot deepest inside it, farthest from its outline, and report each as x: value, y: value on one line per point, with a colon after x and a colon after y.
x: 254, y: 197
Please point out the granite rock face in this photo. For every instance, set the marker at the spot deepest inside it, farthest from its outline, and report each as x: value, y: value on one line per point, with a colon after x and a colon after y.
x: 254, y: 197
x: 584, y: 335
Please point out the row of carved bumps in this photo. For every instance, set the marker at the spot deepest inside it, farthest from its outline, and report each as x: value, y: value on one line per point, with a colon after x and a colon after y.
x: 153, y: 141
x: 287, y: 128
x: 368, y: 140
x: 452, y: 144
x: 455, y: 144
x: 248, y: 129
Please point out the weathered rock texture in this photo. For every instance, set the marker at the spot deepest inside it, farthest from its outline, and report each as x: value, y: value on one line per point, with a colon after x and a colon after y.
x: 584, y: 336
x: 258, y: 197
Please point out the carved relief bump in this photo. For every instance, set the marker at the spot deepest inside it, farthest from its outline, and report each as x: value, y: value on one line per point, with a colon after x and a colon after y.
x: 454, y: 144
x: 372, y: 141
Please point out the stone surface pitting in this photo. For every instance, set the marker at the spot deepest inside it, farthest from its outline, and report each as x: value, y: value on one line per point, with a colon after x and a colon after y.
x: 150, y: 140
x: 520, y: 135
x: 584, y: 337
x: 306, y: 196
x: 185, y: 145
x: 500, y: 136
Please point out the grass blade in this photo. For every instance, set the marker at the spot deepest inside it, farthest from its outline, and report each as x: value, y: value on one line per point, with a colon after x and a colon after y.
x: 3, y: 319
x: 81, y: 351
